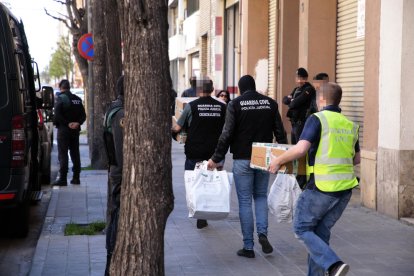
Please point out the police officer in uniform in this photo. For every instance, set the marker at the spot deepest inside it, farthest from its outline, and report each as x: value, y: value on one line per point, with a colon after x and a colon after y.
x: 251, y: 117
x: 114, y: 121
x: 331, y: 142
x: 204, y: 119
x: 69, y: 116
x: 299, y: 102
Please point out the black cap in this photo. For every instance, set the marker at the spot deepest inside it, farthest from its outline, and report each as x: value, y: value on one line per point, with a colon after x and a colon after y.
x: 301, y: 72
x: 247, y: 83
x: 64, y: 84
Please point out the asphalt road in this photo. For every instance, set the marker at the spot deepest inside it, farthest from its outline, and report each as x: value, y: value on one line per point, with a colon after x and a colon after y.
x: 16, y: 254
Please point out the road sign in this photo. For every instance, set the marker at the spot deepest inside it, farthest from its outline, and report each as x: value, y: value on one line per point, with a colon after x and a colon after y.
x: 85, y: 46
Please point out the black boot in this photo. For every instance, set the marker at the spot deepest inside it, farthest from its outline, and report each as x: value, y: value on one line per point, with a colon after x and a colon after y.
x: 61, y: 181
x: 75, y: 179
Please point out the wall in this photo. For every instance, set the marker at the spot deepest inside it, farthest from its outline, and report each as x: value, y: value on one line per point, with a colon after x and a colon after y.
x: 395, y: 190
x: 317, y: 36
x: 287, y: 53
x: 255, y: 19
x: 368, y: 182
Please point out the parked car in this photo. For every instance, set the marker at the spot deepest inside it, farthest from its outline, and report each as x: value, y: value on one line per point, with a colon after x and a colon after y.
x: 20, y: 142
x: 45, y: 129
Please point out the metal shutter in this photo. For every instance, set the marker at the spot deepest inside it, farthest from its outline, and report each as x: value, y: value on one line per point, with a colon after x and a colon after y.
x: 350, y: 63
x: 272, y: 48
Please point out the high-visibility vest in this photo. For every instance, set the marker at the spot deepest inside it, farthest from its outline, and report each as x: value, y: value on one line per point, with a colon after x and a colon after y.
x: 334, y: 160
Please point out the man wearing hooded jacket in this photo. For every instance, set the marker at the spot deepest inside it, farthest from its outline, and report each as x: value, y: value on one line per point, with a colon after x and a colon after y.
x: 114, y: 119
x: 251, y: 117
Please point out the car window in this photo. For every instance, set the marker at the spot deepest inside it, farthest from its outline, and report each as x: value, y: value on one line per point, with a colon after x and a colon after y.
x: 3, y: 80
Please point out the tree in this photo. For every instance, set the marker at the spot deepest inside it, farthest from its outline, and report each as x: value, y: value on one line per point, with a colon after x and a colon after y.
x: 45, y: 76
x: 77, y: 24
x: 61, y: 63
x: 101, y: 95
x: 114, y: 61
x: 146, y: 196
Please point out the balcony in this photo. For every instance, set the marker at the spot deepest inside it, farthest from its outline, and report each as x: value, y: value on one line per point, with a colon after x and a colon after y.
x: 191, y: 27
x: 176, y: 48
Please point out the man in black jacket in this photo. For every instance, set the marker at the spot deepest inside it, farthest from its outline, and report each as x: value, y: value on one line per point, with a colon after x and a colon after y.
x: 251, y: 117
x: 299, y: 102
x: 192, y: 91
x: 204, y: 119
x: 69, y: 116
x: 114, y: 119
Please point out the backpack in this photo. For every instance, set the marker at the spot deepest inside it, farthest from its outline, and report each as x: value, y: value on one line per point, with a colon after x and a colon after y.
x: 108, y: 135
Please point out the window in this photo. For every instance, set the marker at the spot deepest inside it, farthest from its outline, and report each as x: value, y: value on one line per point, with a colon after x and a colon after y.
x: 3, y: 80
x: 192, y: 6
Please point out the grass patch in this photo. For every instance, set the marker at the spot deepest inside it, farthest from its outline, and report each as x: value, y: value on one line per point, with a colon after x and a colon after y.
x: 87, y: 168
x: 93, y: 228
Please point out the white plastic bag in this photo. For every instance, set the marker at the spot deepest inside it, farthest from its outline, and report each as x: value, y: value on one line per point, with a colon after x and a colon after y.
x: 208, y: 193
x: 282, y: 197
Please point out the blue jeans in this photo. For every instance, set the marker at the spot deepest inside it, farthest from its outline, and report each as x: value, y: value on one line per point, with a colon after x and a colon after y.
x: 251, y: 184
x: 316, y: 213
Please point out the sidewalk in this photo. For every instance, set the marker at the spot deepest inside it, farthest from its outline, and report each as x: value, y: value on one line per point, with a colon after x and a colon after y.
x: 371, y: 243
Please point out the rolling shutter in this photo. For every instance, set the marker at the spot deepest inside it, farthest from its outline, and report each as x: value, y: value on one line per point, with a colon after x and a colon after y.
x: 350, y: 63
x: 272, y: 48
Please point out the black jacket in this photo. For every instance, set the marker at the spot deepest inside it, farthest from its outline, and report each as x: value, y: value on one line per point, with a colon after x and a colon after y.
x: 206, y: 125
x: 251, y: 117
x: 69, y: 108
x: 300, y: 102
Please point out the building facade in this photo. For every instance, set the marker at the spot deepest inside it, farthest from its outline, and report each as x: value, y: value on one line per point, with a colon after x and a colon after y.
x: 363, y: 45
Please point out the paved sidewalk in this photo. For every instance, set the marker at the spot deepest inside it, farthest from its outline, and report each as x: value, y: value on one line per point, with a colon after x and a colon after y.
x: 371, y: 243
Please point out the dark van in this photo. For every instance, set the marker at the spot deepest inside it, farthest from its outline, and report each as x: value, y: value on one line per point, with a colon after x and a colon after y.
x: 19, y: 121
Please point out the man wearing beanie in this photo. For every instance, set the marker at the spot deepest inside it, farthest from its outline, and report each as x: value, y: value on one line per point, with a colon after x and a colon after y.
x: 299, y: 102
x: 251, y: 117
x: 69, y: 116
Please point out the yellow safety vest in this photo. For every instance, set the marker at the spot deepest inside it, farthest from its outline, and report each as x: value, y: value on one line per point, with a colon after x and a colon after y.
x: 334, y: 161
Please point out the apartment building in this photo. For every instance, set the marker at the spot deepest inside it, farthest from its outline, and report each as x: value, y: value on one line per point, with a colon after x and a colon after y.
x: 364, y: 45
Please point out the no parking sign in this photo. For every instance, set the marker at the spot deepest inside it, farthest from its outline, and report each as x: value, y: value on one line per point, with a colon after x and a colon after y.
x: 85, y: 46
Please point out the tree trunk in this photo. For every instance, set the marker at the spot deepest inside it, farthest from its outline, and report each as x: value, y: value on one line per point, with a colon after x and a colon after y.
x: 113, y: 45
x: 146, y: 196
x: 101, y: 95
x: 114, y: 63
x: 82, y: 63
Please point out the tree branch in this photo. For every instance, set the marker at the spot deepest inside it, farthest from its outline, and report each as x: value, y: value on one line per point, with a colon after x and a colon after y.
x: 59, y: 19
x: 75, y: 10
x: 60, y: 2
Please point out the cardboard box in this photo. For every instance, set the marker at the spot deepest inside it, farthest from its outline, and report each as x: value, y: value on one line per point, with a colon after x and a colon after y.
x: 182, y: 135
x: 180, y: 103
x: 261, y: 153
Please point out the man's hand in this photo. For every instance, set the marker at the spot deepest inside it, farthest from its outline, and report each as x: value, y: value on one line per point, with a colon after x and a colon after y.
x: 74, y: 125
x: 274, y: 164
x: 211, y: 165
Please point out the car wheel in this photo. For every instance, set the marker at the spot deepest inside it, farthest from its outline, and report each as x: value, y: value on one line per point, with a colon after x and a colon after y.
x: 45, y: 178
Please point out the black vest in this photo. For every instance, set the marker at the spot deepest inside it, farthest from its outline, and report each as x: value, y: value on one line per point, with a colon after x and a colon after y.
x: 255, y: 117
x: 206, y: 125
x: 301, y: 113
x: 72, y: 107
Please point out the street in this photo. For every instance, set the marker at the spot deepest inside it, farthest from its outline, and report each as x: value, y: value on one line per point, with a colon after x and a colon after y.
x: 16, y: 255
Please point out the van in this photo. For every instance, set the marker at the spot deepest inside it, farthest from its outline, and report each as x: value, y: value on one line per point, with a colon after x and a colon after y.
x: 20, y: 144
